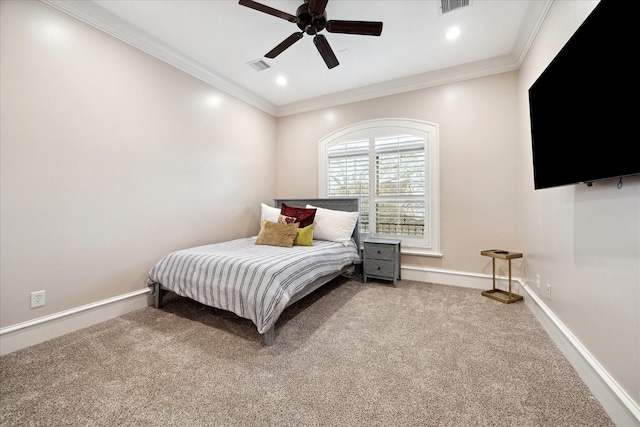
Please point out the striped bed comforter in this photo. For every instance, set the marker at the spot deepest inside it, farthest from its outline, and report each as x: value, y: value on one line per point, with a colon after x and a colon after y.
x: 253, y: 281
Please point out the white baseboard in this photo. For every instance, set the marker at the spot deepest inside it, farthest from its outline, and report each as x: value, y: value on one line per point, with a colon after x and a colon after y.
x: 26, y: 334
x: 621, y: 408
x: 459, y: 278
x: 44, y: 328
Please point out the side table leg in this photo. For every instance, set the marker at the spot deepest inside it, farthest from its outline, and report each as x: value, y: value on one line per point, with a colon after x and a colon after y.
x: 509, y: 279
x: 494, y: 273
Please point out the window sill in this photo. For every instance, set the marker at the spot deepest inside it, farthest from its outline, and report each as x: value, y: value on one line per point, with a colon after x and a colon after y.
x: 419, y: 252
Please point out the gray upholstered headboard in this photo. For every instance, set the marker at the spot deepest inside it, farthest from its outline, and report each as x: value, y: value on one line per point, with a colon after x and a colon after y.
x: 347, y: 204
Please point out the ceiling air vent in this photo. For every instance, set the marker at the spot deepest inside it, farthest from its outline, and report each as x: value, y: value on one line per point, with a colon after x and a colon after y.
x: 259, y: 65
x: 451, y: 5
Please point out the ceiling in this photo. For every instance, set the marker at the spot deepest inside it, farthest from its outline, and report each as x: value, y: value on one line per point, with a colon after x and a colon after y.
x: 215, y: 40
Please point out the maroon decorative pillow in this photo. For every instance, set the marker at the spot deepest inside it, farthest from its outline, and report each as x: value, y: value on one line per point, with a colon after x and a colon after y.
x: 303, y: 216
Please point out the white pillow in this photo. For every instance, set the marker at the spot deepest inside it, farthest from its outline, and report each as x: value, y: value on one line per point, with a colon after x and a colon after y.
x: 269, y: 213
x: 336, y: 226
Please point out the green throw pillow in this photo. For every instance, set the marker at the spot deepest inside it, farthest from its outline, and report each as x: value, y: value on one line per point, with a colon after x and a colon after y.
x: 304, y: 237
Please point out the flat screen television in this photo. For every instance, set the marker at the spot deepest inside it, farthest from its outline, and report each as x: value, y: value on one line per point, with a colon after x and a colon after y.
x: 583, y: 124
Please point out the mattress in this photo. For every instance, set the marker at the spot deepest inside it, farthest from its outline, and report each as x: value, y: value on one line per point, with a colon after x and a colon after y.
x: 255, y: 282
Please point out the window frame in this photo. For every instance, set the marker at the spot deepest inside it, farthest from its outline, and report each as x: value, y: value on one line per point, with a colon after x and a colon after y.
x: 379, y: 128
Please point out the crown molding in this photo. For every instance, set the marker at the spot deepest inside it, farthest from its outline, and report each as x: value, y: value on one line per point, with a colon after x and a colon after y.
x: 107, y: 22
x: 103, y: 20
x: 420, y: 81
x: 537, y: 13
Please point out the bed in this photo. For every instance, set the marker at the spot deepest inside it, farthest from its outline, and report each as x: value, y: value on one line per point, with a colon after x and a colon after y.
x: 258, y: 280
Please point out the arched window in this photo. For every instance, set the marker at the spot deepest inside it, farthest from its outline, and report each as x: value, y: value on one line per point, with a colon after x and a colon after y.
x: 392, y: 164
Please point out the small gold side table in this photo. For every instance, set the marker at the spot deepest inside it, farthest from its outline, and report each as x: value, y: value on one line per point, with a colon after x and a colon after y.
x: 499, y: 294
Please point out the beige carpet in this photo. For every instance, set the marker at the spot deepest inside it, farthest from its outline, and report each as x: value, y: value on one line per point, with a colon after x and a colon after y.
x: 352, y: 354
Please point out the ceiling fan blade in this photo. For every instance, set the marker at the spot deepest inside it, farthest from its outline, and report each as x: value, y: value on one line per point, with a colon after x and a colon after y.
x: 266, y: 9
x: 365, y: 28
x: 325, y: 51
x: 284, y: 45
x: 317, y: 7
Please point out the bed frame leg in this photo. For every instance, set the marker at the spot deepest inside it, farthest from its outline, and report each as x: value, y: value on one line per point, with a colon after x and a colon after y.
x: 269, y: 336
x: 158, y: 294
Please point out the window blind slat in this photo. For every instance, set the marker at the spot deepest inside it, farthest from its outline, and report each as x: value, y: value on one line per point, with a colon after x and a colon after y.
x: 398, y: 172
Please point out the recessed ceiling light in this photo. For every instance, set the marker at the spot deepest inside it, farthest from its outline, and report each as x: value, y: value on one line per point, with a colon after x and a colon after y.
x: 453, y: 33
x: 281, y: 80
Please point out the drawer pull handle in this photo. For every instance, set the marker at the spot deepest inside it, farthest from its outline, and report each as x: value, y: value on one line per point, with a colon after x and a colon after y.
x: 378, y: 251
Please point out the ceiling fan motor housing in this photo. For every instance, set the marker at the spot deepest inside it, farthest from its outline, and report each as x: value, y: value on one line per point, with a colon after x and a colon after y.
x: 309, y: 23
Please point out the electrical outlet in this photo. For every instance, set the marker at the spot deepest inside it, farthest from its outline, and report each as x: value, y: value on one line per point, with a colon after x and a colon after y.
x: 37, y: 299
x: 548, y: 291
x: 538, y: 281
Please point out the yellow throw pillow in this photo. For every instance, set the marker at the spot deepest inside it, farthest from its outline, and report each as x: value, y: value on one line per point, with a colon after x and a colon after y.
x: 274, y: 234
x: 304, y: 236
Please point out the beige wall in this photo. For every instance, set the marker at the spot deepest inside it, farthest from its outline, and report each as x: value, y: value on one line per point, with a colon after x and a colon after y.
x: 477, y: 126
x: 584, y: 241
x: 109, y: 159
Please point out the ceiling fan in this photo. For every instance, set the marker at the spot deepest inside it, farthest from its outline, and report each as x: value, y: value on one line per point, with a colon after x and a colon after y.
x: 311, y: 18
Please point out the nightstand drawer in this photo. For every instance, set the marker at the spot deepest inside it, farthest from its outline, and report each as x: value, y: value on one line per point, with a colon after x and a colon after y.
x: 376, y: 251
x: 378, y: 268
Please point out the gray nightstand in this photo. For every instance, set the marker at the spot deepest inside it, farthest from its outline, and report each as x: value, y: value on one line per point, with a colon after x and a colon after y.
x: 382, y: 259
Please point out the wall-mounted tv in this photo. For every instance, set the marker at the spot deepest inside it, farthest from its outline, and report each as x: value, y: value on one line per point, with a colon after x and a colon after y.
x: 581, y: 106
